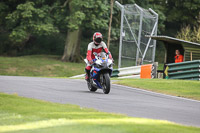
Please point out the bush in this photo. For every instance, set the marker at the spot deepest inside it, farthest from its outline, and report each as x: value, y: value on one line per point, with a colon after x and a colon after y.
x: 190, y: 34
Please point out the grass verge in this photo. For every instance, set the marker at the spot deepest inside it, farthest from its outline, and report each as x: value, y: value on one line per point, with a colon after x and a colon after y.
x: 39, y: 65
x: 18, y: 114
x: 180, y: 88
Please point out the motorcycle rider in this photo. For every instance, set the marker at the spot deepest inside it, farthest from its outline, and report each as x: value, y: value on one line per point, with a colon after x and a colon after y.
x: 96, y: 46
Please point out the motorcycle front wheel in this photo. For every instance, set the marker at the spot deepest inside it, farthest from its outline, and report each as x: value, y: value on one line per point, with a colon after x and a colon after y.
x: 105, y: 83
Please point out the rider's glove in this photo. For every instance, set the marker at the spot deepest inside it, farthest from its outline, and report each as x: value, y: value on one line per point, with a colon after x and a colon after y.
x: 91, y: 62
x: 110, y: 56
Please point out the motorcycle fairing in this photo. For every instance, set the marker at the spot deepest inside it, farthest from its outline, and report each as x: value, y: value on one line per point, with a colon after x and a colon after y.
x: 95, y: 74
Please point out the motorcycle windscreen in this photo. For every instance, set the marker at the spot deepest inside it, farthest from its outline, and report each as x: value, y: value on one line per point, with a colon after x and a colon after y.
x: 103, y: 55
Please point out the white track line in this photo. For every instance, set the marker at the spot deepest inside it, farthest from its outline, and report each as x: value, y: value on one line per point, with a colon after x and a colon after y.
x: 155, y: 93
x: 151, y: 92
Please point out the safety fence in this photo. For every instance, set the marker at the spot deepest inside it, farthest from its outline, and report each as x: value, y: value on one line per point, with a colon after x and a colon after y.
x: 144, y: 71
x: 189, y: 70
x: 134, y: 47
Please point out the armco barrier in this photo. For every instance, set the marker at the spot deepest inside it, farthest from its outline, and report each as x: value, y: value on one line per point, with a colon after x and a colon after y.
x: 126, y: 71
x: 189, y: 70
x: 143, y: 71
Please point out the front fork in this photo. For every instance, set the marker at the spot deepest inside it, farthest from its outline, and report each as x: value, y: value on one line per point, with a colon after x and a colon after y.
x: 101, y: 79
x: 95, y: 76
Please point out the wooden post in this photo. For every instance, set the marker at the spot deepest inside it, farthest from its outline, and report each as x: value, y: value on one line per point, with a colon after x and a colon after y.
x: 190, y: 56
x: 110, y: 23
x: 166, y: 50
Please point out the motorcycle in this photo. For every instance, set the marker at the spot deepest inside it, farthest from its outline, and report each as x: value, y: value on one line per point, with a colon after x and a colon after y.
x: 100, y: 73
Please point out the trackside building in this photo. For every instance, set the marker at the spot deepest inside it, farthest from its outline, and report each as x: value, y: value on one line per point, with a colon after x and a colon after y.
x: 190, y: 68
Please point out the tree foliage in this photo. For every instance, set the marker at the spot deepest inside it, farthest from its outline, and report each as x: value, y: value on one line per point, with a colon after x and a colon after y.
x: 21, y: 20
x: 182, y: 11
x: 29, y: 19
x: 189, y: 33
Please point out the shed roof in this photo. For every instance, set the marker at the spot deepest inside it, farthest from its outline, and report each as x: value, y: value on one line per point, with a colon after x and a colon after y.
x: 187, y: 45
x: 173, y: 40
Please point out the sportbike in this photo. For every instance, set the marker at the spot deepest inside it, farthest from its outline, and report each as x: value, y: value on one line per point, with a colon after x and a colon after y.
x: 100, y: 73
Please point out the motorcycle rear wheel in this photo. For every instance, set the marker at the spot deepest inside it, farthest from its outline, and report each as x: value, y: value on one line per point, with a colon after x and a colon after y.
x: 90, y: 86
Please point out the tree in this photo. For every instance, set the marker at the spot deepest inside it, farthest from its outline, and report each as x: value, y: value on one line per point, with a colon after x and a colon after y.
x: 189, y: 34
x: 24, y: 20
x: 29, y: 19
x: 179, y: 13
x: 72, y: 43
x: 83, y: 15
x: 110, y: 22
x: 3, y: 12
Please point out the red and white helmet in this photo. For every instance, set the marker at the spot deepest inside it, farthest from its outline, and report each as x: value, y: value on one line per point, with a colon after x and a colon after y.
x: 97, y: 38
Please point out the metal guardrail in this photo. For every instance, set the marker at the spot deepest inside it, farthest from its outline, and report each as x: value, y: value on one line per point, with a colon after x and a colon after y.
x: 189, y: 70
x: 143, y: 71
x: 126, y: 71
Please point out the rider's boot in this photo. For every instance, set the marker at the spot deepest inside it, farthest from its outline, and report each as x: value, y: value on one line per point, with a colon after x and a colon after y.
x: 87, y: 75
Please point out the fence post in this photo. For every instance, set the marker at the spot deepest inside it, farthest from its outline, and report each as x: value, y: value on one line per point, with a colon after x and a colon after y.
x: 139, y: 36
x: 121, y: 32
x: 154, y: 42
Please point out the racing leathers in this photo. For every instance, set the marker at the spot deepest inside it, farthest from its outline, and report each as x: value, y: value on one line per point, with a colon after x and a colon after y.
x: 92, y: 48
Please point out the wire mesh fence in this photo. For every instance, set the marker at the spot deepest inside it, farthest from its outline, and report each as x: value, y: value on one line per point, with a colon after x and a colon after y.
x: 136, y: 24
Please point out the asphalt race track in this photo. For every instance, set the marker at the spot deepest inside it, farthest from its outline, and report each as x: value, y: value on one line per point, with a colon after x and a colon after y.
x: 124, y: 100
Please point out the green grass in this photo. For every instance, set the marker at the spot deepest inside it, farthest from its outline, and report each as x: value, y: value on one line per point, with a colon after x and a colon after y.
x: 39, y: 65
x: 18, y: 114
x: 160, y: 66
x: 180, y: 88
